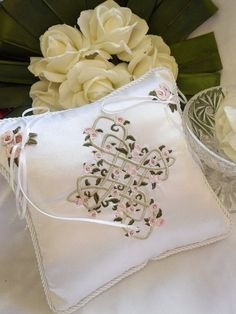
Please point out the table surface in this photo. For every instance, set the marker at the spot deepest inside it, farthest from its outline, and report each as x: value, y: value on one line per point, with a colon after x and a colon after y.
x: 201, y: 281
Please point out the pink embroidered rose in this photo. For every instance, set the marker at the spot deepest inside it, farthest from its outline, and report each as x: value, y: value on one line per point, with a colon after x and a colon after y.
x: 130, y: 233
x: 98, y: 156
x: 163, y: 92
x: 165, y: 152
x: 93, y: 213
x: 87, y: 168
x: 121, y: 208
x: 91, y: 132
x: 154, y: 206
x: 18, y: 138
x: 153, y: 162
x: 131, y: 209
x: 154, y: 178
x: 130, y: 169
x: 116, y: 172
x: 119, y: 120
x: 78, y: 201
x: 7, y: 138
x: 108, y: 147
x: 161, y: 221
x: 114, y: 193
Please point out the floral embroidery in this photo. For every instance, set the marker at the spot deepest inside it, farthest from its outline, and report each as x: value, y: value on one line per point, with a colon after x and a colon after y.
x: 13, y: 137
x: 121, y: 177
x: 163, y: 93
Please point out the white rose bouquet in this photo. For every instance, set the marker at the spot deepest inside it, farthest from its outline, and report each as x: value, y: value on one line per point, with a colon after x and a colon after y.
x: 110, y: 48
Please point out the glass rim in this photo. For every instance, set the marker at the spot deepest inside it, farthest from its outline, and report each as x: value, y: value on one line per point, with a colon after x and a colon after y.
x: 187, y: 126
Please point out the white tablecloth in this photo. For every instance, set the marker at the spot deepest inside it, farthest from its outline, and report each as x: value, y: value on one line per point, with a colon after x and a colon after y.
x: 202, y: 281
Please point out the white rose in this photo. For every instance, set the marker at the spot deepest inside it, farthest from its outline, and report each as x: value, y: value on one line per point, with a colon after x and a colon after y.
x: 112, y: 28
x: 45, y: 94
x: 59, y: 39
x: 156, y: 55
x: 148, y: 43
x: 90, y: 80
x: 225, y: 125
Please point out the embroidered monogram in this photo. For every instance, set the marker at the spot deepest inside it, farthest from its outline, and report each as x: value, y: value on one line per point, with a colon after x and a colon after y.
x: 12, y: 138
x: 122, y: 176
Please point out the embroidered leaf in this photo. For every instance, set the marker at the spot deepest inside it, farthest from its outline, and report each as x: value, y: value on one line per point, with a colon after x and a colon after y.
x: 114, y: 207
x: 17, y: 130
x: 167, y: 159
x: 96, y: 197
x: 87, y: 137
x: 153, y: 93
x: 87, y: 144
x: 152, y: 172
x: 146, y: 219
x: 16, y: 161
x: 118, y: 219
x: 159, y: 214
x: 105, y: 203
x: 130, y: 137
x: 126, y: 176
x: 114, y: 200
x: 8, y: 161
x: 147, y: 224
x: 112, y: 175
x: 122, y: 150
x: 99, y: 130
x: 98, y: 181
x: 154, y: 185
x: 113, y: 144
x: 143, y: 183
x: 100, y: 162
x: 135, y: 182
x: 151, y: 201
x: 87, y: 182
x: 173, y: 107
x: 126, y: 122
x: 139, y: 196
x: 146, y: 162
x: 95, y: 170
x: 170, y: 150
x: 131, y: 146
x: 131, y: 222
x: 31, y: 134
x: 161, y: 147
x: 31, y: 141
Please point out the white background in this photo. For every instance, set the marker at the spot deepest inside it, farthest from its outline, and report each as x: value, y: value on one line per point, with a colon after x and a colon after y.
x: 202, y: 281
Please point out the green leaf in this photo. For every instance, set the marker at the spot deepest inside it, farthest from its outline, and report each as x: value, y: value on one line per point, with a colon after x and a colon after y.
x: 87, y: 137
x: 126, y: 122
x: 95, y: 170
x: 197, y: 55
x: 190, y: 84
x: 86, y: 182
x: 142, y: 8
x: 35, y: 17
x: 143, y: 183
x: 15, y: 72
x: 87, y: 144
x: 122, y: 150
x: 96, y: 197
x: 173, y: 107
x: 14, y: 34
x: 146, y: 162
x: 67, y: 11
x: 130, y: 137
x: 127, y: 176
x: 159, y: 214
x: 131, y: 222
x: 99, y: 130
x: 98, y: 181
x: 175, y: 20
x: 31, y: 134
x: 118, y: 219
x: 114, y: 200
x: 154, y: 185
x: 31, y: 141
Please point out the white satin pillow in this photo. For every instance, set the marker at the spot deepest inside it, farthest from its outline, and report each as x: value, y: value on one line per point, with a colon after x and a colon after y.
x: 132, y: 168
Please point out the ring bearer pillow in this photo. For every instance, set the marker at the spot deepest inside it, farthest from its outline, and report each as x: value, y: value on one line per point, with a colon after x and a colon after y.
x: 107, y: 187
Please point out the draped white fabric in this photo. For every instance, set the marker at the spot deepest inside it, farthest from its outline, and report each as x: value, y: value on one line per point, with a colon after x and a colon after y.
x: 199, y: 281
